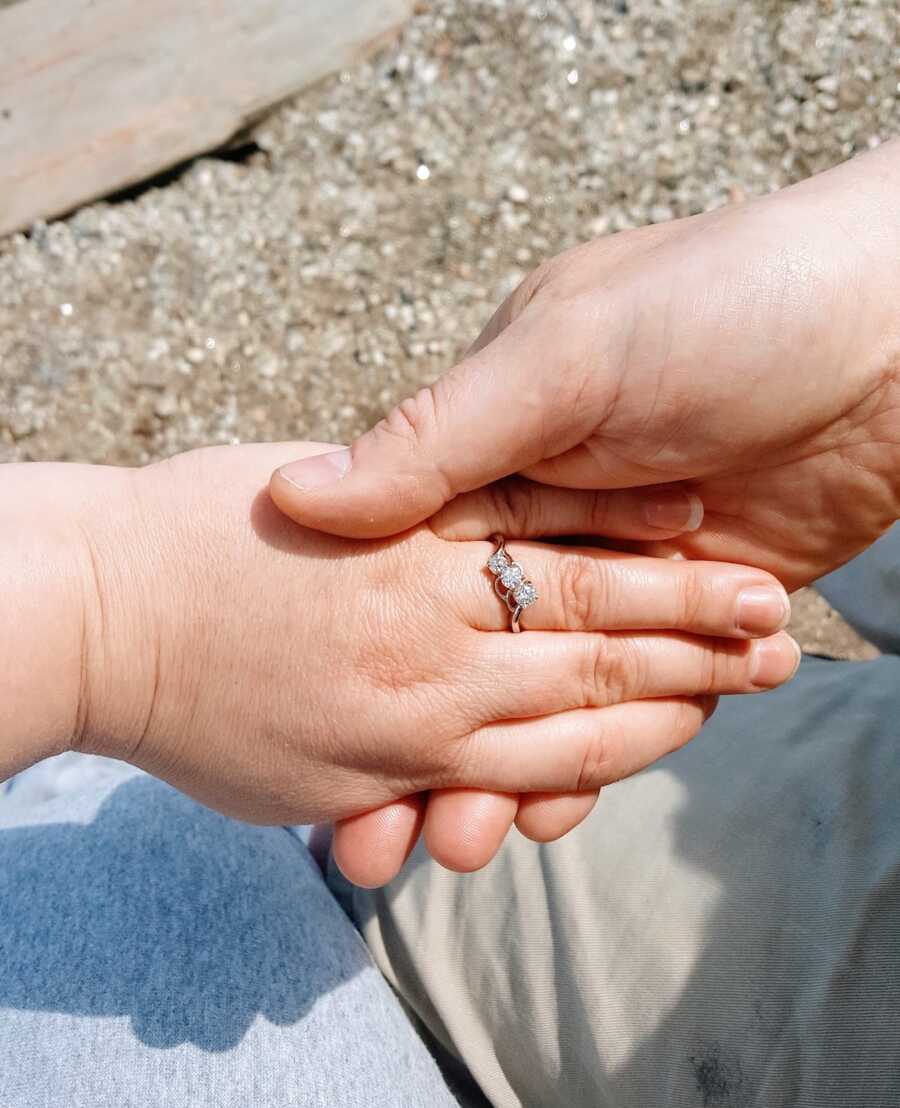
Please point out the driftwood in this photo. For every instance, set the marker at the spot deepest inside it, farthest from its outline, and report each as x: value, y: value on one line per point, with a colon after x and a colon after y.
x: 99, y: 94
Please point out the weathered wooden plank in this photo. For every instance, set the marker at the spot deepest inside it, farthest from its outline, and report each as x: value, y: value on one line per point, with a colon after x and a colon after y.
x: 99, y: 94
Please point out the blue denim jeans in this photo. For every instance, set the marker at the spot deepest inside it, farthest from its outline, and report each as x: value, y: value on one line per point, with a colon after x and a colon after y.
x: 153, y: 952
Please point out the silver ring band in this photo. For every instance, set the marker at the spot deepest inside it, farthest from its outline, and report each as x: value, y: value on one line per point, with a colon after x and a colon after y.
x: 510, y: 582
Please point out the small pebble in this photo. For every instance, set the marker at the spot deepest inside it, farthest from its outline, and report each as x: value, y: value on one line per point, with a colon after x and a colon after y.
x: 166, y: 405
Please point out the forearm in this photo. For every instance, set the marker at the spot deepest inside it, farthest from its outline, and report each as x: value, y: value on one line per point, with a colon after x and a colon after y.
x: 55, y: 620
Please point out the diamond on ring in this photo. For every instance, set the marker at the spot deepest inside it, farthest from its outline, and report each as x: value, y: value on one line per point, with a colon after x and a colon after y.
x: 511, y: 584
x: 512, y: 576
x: 498, y: 562
x: 525, y: 594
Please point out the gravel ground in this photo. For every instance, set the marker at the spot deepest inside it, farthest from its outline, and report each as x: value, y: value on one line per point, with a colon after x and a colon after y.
x: 365, y: 235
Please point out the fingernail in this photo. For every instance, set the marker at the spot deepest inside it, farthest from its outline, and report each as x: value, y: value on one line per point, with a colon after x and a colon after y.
x: 775, y: 661
x: 762, y: 609
x: 318, y: 471
x: 674, y: 510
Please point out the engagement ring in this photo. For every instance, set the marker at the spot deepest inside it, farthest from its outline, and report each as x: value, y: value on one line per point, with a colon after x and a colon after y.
x: 510, y: 582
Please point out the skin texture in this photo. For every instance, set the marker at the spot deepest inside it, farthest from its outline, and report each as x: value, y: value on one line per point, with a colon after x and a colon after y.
x: 282, y: 675
x: 750, y: 353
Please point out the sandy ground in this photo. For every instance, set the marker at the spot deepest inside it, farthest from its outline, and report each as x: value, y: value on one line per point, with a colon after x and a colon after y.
x: 358, y: 245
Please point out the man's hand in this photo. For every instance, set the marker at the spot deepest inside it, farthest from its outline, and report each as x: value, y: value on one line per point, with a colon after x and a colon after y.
x: 752, y: 351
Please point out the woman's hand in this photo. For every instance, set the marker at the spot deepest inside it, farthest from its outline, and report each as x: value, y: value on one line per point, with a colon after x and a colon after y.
x: 752, y: 351
x: 283, y: 676
x: 463, y: 828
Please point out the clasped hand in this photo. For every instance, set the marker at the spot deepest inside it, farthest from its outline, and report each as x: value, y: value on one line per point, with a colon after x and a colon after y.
x: 283, y: 675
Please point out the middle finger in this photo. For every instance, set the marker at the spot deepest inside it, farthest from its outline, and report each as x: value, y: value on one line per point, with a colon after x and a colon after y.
x: 542, y: 672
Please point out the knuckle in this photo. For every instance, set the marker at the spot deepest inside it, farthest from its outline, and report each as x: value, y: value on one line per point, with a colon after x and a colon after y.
x: 413, y: 420
x: 415, y: 424
x: 724, y: 667
x: 623, y: 672
x: 592, y: 670
x: 597, y: 767
x: 691, y: 598
x: 712, y: 671
x: 608, y: 675
x: 599, y: 512
x: 584, y: 592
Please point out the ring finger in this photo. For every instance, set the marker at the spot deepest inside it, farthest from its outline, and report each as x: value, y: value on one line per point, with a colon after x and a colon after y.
x: 590, y: 589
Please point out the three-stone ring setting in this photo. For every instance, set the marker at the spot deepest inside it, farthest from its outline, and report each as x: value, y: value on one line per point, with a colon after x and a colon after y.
x: 510, y: 582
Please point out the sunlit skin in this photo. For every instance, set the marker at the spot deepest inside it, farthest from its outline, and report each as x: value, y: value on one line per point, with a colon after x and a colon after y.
x: 172, y: 617
x: 750, y: 353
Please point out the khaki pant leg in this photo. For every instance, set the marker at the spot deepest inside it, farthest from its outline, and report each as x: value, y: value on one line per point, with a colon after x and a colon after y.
x: 724, y: 930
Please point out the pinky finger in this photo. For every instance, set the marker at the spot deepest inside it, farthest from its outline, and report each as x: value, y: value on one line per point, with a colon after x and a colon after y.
x: 545, y: 817
x: 583, y: 749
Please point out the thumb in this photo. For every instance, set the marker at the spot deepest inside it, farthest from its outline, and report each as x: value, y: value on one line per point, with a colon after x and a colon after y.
x: 507, y: 407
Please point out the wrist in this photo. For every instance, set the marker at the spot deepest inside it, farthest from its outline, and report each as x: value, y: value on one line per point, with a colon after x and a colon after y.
x: 857, y: 206
x: 53, y: 613
x: 127, y: 588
